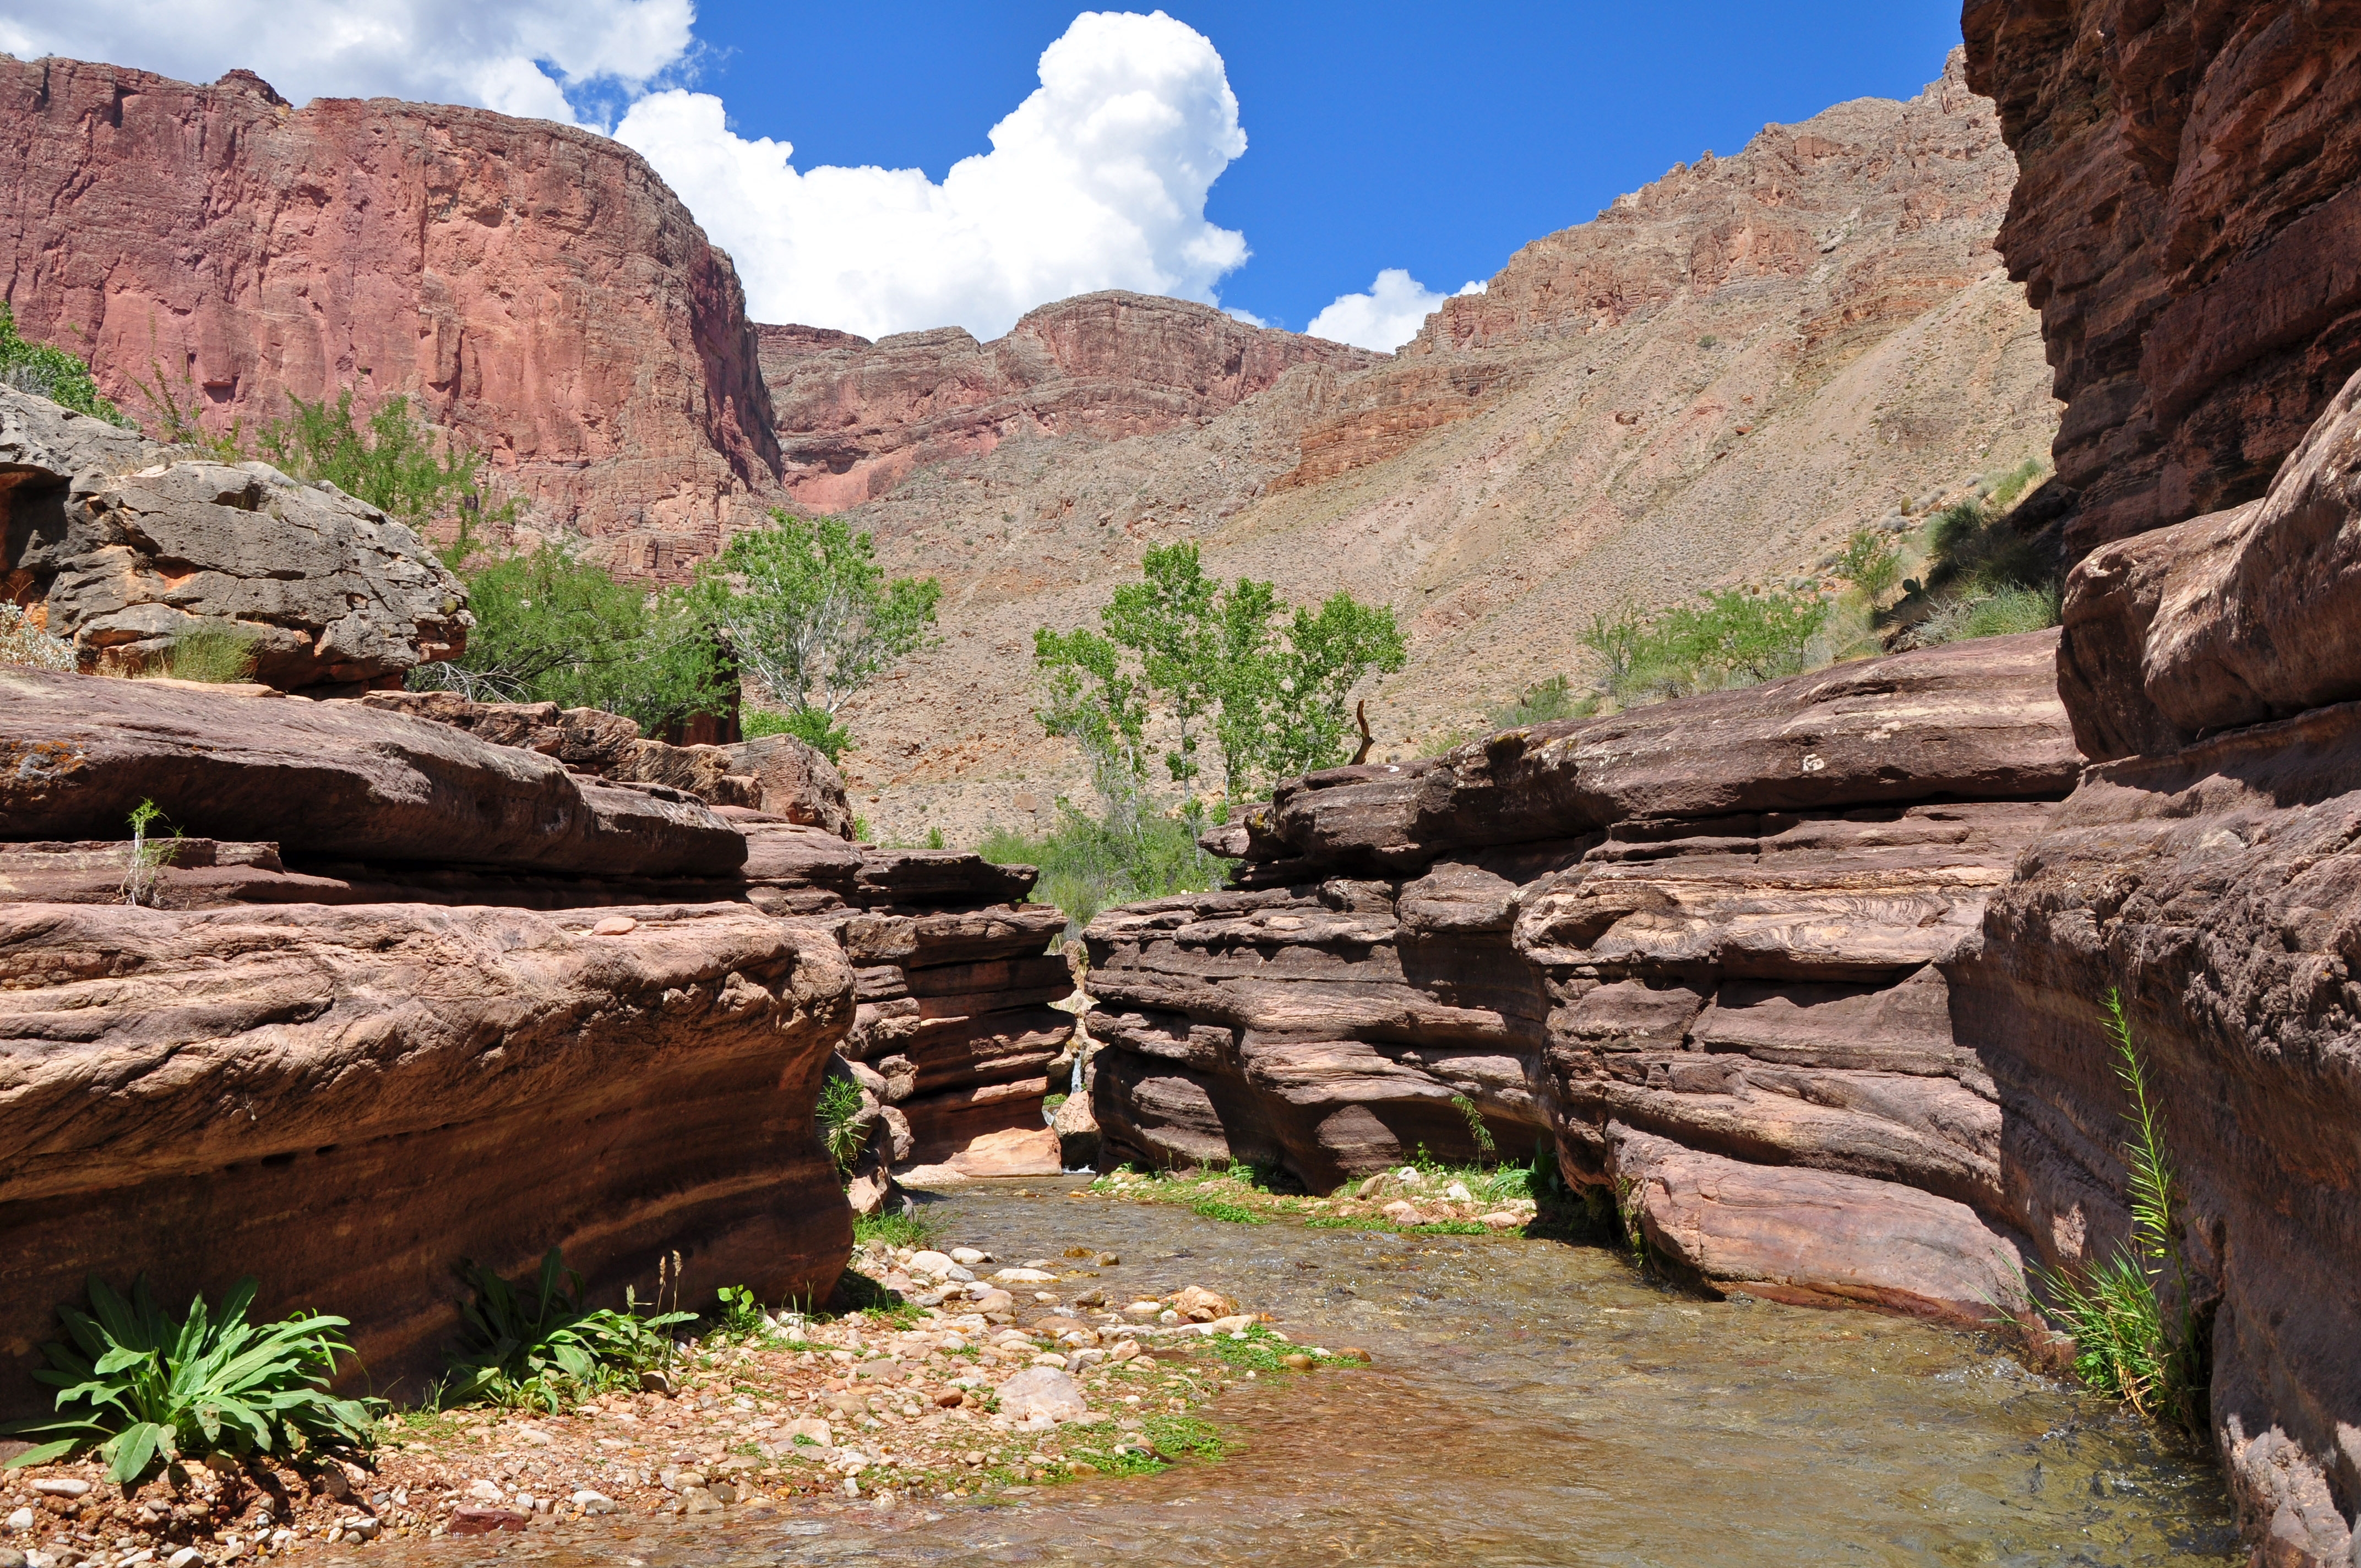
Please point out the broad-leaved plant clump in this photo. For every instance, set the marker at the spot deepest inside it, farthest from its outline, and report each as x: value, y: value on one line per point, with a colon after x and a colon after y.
x: 144, y: 1390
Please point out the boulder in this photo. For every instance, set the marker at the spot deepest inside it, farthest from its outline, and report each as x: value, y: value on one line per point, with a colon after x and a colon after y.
x: 1042, y: 1391
x: 348, y: 1101
x: 1817, y: 1238
x: 324, y: 779
x: 328, y: 590
x: 794, y: 780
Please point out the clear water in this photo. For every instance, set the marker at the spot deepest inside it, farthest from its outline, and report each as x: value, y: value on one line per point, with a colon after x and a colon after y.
x: 1531, y: 1403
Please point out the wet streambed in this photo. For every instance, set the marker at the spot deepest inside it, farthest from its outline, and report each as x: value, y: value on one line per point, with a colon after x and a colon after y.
x: 1531, y: 1403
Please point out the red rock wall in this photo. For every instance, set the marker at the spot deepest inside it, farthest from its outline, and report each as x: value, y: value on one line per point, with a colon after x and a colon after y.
x: 856, y: 417
x: 2189, y: 224
x: 534, y: 288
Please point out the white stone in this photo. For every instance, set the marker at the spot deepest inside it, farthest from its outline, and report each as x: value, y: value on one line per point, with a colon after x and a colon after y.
x: 61, y: 1487
x: 485, y: 1491
x: 969, y: 1256
x: 1025, y: 1277
x: 933, y: 1264
x: 21, y: 1520
x: 591, y: 1502
x: 1042, y: 1391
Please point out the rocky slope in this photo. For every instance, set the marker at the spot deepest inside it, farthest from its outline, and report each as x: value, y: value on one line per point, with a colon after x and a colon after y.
x: 535, y: 288
x: 1714, y: 381
x: 2186, y: 224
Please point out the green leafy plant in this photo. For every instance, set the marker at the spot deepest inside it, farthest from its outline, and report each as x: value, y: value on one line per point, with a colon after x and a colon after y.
x: 149, y: 855
x: 51, y: 373
x: 553, y: 628
x: 1872, y: 564
x: 215, y: 651
x: 2127, y: 1343
x: 1269, y: 688
x: 841, y: 1131
x: 1732, y: 638
x: 538, y: 1346
x: 1477, y: 1130
x: 1229, y: 1213
x: 740, y: 1313
x: 811, y: 726
x: 143, y: 1389
x: 1088, y: 863
x: 812, y: 617
x: 22, y: 643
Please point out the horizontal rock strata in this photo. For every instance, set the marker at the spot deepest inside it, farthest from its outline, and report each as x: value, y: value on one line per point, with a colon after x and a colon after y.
x: 1700, y: 949
x: 349, y: 1101
x: 410, y: 989
x: 533, y: 288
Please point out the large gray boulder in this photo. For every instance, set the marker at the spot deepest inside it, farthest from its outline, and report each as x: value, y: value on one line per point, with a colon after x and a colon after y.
x: 124, y: 546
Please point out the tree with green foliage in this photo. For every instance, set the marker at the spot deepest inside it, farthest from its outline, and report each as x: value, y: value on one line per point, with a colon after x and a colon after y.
x: 51, y: 373
x: 812, y: 618
x: 1185, y: 656
x: 1732, y: 638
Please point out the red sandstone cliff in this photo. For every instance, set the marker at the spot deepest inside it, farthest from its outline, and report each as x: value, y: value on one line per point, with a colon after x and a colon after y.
x: 2189, y: 224
x: 536, y: 289
x: 856, y: 417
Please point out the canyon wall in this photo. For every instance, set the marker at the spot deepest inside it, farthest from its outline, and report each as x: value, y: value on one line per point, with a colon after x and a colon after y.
x: 2188, y: 224
x: 855, y: 418
x: 533, y: 289
x: 1714, y: 381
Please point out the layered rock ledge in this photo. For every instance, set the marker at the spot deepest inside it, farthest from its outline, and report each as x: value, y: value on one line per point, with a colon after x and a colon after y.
x: 390, y: 990
x: 1700, y: 949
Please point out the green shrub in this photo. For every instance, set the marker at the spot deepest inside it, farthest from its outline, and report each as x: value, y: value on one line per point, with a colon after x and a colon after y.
x: 838, y: 1117
x: 539, y: 1347
x: 214, y: 651
x: 50, y: 373
x: 2014, y: 484
x: 22, y: 643
x: 1543, y: 702
x: 1088, y: 865
x: 143, y: 1389
x: 2125, y: 1342
x: 1870, y: 564
x: 1975, y: 549
x: 391, y: 462
x: 553, y: 628
x: 1996, y: 614
x: 1733, y: 639
x: 814, y: 727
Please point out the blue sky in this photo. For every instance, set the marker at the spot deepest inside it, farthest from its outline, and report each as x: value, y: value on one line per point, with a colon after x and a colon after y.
x: 1435, y: 138
x: 886, y: 168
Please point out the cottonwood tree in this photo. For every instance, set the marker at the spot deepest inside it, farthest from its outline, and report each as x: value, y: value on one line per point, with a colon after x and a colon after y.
x: 812, y: 618
x: 1187, y: 658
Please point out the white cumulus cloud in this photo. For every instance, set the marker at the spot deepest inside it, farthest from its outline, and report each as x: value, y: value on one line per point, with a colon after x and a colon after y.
x: 1386, y: 317
x: 1096, y: 181
x: 519, y: 56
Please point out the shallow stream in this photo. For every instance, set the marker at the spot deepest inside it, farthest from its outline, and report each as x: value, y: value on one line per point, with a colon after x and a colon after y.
x: 1534, y: 1403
